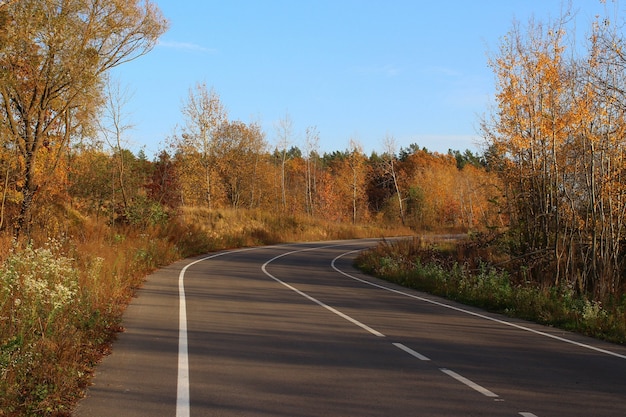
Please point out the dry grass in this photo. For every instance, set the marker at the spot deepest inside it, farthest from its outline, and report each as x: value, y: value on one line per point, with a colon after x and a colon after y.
x: 62, y: 297
x: 236, y: 228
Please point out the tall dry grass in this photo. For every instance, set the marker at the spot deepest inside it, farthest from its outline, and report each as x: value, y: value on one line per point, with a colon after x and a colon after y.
x: 63, y: 295
x: 237, y: 228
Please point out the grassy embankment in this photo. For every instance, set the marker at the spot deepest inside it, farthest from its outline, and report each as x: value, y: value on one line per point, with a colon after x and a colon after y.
x: 463, y: 273
x: 61, y: 299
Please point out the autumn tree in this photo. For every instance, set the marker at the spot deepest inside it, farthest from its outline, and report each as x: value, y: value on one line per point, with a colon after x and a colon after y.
x: 284, y: 136
x: 53, y: 64
x: 334, y: 193
x: 239, y: 149
x: 296, y: 165
x: 9, y: 199
x: 479, y: 197
x: 531, y: 130
x: 596, y: 203
x: 389, y: 162
x: 357, y: 179
x: 113, y: 124
x: 90, y: 184
x: 311, y: 156
x: 378, y: 188
x: 557, y: 139
x: 163, y: 185
x: 196, y: 146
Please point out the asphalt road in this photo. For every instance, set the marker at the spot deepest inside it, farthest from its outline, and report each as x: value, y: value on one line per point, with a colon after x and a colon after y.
x: 294, y: 330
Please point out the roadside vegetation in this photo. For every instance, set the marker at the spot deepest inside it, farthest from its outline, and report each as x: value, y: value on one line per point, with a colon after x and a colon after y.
x: 486, y: 276
x: 62, y: 298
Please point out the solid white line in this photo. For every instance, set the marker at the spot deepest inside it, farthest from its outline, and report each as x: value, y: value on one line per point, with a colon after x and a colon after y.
x: 182, y: 382
x: 329, y: 308
x: 182, y: 389
x: 469, y: 383
x: 482, y: 316
x: 411, y: 352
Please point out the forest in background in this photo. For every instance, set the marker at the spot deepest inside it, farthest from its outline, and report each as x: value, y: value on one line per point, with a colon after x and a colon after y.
x: 216, y: 164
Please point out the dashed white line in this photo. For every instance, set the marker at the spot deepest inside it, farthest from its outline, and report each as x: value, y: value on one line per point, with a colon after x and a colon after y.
x: 411, y: 352
x: 406, y: 349
x: 527, y: 414
x: 469, y: 383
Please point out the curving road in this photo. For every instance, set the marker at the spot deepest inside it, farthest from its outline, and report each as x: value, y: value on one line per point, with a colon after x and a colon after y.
x: 294, y: 330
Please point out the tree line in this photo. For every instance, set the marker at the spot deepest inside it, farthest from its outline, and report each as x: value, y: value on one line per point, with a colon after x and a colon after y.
x: 224, y: 163
x: 218, y: 163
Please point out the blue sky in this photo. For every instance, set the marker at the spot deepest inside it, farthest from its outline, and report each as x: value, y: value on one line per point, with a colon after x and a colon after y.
x: 412, y: 69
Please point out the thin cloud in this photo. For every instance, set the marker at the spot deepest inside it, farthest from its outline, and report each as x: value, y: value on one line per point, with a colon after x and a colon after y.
x: 445, y: 71
x: 388, y: 70
x: 186, y: 46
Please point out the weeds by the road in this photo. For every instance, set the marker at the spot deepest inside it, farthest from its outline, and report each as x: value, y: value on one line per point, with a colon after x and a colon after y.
x: 438, y: 269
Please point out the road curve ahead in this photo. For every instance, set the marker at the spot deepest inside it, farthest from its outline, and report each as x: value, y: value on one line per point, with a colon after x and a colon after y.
x: 294, y: 330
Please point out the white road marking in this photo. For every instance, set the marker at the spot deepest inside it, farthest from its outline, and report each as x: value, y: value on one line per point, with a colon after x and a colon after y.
x: 411, y: 352
x: 182, y: 382
x: 506, y: 323
x: 469, y: 383
x: 182, y: 388
x: 527, y: 414
x: 329, y: 308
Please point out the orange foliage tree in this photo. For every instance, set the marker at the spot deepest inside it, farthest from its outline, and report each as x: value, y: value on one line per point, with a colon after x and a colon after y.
x: 557, y: 138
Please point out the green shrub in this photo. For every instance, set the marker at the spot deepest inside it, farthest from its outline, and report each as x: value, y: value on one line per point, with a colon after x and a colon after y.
x: 414, y: 264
